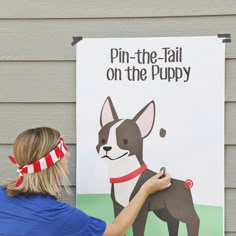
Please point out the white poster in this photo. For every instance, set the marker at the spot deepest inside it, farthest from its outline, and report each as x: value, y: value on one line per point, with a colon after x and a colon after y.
x: 147, y: 103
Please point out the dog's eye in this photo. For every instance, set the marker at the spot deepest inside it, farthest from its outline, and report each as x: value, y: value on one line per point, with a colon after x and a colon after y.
x: 103, y: 140
x: 125, y: 141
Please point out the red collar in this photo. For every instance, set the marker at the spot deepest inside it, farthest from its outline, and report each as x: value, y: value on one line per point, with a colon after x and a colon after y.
x: 129, y: 176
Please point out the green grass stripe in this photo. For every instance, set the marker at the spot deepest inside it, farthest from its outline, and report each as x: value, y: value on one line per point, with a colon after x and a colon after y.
x: 100, y: 206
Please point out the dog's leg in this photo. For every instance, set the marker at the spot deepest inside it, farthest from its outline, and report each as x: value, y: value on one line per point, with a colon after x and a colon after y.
x: 140, y: 222
x: 173, y: 223
x: 192, y: 224
x: 189, y: 216
x: 173, y: 227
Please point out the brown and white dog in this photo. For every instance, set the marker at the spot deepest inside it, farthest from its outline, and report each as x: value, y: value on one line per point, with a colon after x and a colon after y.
x: 121, y: 144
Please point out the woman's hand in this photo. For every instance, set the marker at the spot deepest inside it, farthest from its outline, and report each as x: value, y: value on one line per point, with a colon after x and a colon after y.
x: 156, y: 183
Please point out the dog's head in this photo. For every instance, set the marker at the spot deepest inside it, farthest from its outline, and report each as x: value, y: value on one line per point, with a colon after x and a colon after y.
x: 123, y: 138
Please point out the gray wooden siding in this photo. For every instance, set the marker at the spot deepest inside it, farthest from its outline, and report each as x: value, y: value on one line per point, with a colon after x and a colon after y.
x: 37, y: 64
x: 111, y: 9
x: 50, y: 39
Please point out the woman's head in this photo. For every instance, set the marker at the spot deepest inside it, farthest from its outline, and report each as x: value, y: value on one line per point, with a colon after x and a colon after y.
x: 30, y: 146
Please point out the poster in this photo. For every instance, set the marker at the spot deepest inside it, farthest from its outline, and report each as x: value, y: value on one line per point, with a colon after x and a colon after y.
x: 172, y: 89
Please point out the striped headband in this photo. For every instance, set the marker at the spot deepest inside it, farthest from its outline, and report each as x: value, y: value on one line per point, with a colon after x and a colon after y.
x: 43, y: 163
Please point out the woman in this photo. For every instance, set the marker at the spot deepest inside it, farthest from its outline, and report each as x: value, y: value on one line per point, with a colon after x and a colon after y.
x: 29, y: 206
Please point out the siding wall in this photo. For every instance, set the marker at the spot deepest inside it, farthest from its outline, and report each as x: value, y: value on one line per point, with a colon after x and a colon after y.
x: 37, y: 63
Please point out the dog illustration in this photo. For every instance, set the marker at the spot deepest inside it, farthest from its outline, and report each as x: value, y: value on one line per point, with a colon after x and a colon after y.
x: 121, y: 145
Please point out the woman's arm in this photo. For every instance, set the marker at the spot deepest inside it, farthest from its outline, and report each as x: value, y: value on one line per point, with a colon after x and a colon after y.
x: 127, y: 216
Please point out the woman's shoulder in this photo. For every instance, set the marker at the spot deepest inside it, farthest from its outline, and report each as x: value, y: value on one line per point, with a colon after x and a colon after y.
x: 75, y: 220
x: 63, y: 208
x: 32, y: 201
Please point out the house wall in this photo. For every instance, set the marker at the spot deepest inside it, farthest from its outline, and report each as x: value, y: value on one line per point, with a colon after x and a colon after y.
x: 37, y: 64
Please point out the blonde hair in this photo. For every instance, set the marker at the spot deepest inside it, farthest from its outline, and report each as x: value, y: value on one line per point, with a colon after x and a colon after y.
x: 29, y: 146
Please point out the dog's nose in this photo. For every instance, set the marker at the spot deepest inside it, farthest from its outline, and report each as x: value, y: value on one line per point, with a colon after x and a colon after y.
x: 107, y: 148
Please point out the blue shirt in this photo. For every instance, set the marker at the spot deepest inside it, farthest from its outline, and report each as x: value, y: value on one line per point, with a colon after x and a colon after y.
x: 39, y: 215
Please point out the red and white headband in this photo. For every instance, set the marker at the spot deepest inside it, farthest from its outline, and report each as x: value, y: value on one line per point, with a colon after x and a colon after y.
x: 43, y: 163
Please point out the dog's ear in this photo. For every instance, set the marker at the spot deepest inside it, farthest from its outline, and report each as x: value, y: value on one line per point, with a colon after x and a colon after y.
x: 108, y: 112
x: 145, y: 119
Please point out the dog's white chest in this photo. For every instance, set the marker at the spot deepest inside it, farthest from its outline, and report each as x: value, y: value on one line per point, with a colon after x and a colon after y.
x: 122, y: 167
x: 124, y: 190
